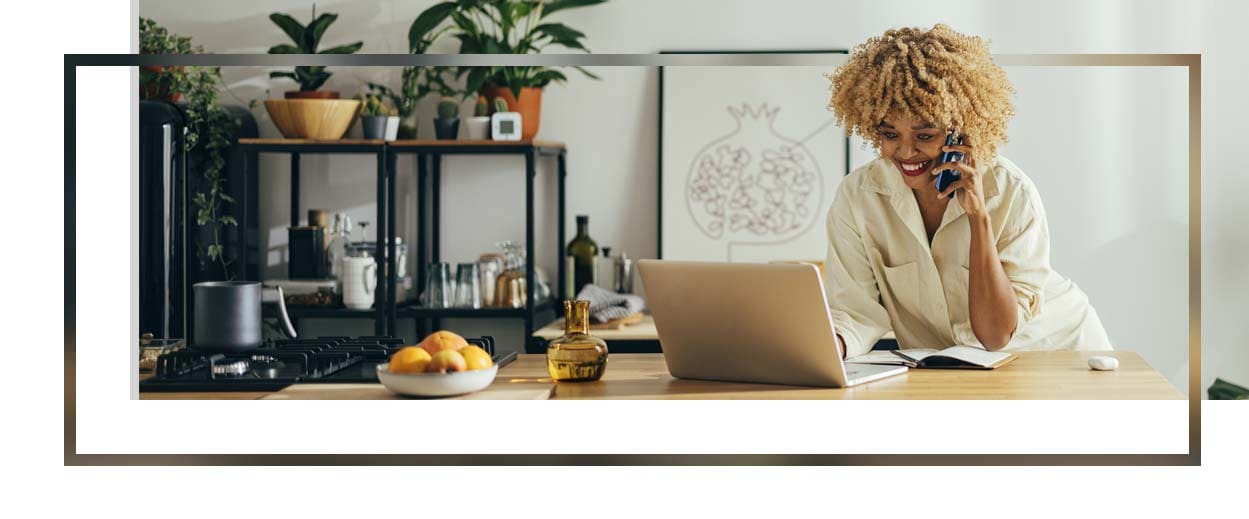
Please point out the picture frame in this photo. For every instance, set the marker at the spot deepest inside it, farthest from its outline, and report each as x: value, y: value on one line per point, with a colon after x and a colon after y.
x: 757, y: 191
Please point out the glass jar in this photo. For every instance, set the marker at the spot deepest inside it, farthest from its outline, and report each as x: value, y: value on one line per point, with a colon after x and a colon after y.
x: 509, y: 286
x: 577, y: 356
x: 339, y: 242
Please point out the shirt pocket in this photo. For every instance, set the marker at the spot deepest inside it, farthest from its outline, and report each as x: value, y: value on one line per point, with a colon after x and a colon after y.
x: 900, y: 290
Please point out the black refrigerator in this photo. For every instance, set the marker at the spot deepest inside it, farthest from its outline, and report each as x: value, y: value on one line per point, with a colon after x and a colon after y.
x: 171, y: 244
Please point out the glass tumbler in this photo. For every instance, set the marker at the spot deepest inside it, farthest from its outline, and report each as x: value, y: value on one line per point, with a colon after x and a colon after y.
x: 437, y: 286
x: 467, y: 286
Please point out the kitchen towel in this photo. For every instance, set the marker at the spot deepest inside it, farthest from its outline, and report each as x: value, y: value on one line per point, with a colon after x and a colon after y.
x: 606, y: 305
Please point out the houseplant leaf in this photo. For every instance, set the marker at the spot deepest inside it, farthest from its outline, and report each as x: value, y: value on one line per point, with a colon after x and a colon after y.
x: 561, y: 34
x: 587, y: 73
x: 559, y: 5
x: 290, y: 26
x: 476, y: 78
x: 316, y: 29
x: 468, y: 44
x: 546, y: 76
x: 426, y: 22
x: 349, y: 48
x: 284, y: 48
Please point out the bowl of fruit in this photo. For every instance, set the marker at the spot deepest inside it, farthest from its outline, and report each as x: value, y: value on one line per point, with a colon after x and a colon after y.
x: 443, y: 364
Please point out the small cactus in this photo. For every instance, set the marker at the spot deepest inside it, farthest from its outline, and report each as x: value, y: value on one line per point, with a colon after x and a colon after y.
x: 482, y: 109
x: 373, y: 105
x: 448, y: 109
x: 500, y: 105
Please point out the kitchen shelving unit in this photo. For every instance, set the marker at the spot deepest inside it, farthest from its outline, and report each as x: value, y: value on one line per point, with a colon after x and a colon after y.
x: 429, y: 155
x: 382, y: 311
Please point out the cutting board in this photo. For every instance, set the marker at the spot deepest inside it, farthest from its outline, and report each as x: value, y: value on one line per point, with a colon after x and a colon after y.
x: 614, y: 324
x: 528, y: 391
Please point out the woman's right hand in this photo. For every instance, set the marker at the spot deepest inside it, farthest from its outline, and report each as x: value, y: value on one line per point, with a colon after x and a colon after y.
x: 841, y: 347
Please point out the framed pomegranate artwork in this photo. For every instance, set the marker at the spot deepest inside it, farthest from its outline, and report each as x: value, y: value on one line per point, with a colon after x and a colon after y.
x: 750, y: 158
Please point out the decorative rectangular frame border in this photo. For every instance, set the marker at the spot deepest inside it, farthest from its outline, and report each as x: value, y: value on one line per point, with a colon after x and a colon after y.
x: 1191, y: 62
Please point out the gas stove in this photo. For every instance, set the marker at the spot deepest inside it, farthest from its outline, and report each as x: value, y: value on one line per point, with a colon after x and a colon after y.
x: 280, y: 363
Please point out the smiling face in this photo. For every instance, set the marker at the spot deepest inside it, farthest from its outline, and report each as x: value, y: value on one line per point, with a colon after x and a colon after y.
x: 914, y: 146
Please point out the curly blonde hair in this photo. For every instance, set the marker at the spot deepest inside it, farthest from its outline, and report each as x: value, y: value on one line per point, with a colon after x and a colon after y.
x: 937, y: 75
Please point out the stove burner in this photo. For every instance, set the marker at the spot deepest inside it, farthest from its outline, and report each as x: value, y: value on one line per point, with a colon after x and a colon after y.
x: 231, y: 369
x: 280, y: 363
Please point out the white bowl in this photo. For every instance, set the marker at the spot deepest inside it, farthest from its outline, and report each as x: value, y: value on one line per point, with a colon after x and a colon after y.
x: 436, y: 384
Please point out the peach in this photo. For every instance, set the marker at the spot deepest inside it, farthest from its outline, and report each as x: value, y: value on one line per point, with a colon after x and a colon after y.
x: 447, y: 361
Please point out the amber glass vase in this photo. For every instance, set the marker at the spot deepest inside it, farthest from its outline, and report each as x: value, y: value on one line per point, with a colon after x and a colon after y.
x: 577, y: 356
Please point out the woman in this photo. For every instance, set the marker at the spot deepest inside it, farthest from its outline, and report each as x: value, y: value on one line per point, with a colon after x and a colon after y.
x: 968, y: 265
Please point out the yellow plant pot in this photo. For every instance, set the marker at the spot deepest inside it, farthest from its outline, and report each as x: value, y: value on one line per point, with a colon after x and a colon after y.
x: 325, y: 119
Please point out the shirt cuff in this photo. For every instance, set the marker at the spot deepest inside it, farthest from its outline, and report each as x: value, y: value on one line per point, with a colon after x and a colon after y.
x: 1026, y: 309
x: 856, y: 344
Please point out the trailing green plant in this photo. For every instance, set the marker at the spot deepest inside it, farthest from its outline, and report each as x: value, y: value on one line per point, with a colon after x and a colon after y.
x: 482, y: 109
x: 505, y: 27
x: 307, y: 39
x: 448, y: 109
x: 210, y: 133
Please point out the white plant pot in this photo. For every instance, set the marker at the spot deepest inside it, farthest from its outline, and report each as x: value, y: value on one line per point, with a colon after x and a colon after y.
x: 392, y: 127
x: 476, y: 129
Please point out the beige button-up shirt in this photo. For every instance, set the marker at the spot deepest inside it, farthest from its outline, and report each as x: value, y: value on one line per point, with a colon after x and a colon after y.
x: 881, y: 272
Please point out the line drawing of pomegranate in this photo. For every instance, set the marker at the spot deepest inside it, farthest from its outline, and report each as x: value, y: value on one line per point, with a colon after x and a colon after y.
x: 753, y: 185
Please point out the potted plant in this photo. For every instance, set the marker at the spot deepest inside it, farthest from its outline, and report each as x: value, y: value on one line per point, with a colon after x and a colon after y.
x: 477, y: 127
x: 447, y: 124
x: 309, y: 113
x: 509, y: 27
x: 377, y: 119
x: 404, y: 100
x: 157, y: 82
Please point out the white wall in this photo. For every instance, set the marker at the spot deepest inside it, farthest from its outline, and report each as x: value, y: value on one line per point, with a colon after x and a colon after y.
x: 1118, y: 231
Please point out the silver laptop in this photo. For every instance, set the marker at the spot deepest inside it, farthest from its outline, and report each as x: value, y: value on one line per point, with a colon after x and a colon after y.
x: 748, y: 322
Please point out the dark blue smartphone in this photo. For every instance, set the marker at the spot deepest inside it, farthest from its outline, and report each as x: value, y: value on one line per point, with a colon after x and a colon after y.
x: 948, y: 176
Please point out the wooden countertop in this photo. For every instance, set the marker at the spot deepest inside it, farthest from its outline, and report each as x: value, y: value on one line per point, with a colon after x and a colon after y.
x: 1055, y: 375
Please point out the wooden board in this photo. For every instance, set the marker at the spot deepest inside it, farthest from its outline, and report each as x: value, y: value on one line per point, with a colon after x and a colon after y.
x: 642, y: 329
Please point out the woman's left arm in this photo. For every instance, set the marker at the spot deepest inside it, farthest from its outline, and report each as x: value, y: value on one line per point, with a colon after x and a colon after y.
x: 991, y: 298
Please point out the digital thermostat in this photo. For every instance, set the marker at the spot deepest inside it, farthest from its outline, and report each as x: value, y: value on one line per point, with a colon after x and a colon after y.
x: 505, y: 126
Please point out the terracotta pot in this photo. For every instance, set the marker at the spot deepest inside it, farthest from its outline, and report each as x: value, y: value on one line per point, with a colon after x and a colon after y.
x: 325, y: 119
x: 311, y: 94
x: 155, y: 91
x: 530, y: 106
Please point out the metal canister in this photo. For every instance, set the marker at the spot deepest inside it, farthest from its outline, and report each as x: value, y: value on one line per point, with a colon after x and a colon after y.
x: 307, y: 253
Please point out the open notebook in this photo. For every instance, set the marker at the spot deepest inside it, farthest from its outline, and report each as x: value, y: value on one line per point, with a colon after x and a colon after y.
x: 954, y: 357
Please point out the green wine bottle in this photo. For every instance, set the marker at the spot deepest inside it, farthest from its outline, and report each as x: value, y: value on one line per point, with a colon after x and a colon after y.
x: 580, y: 260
